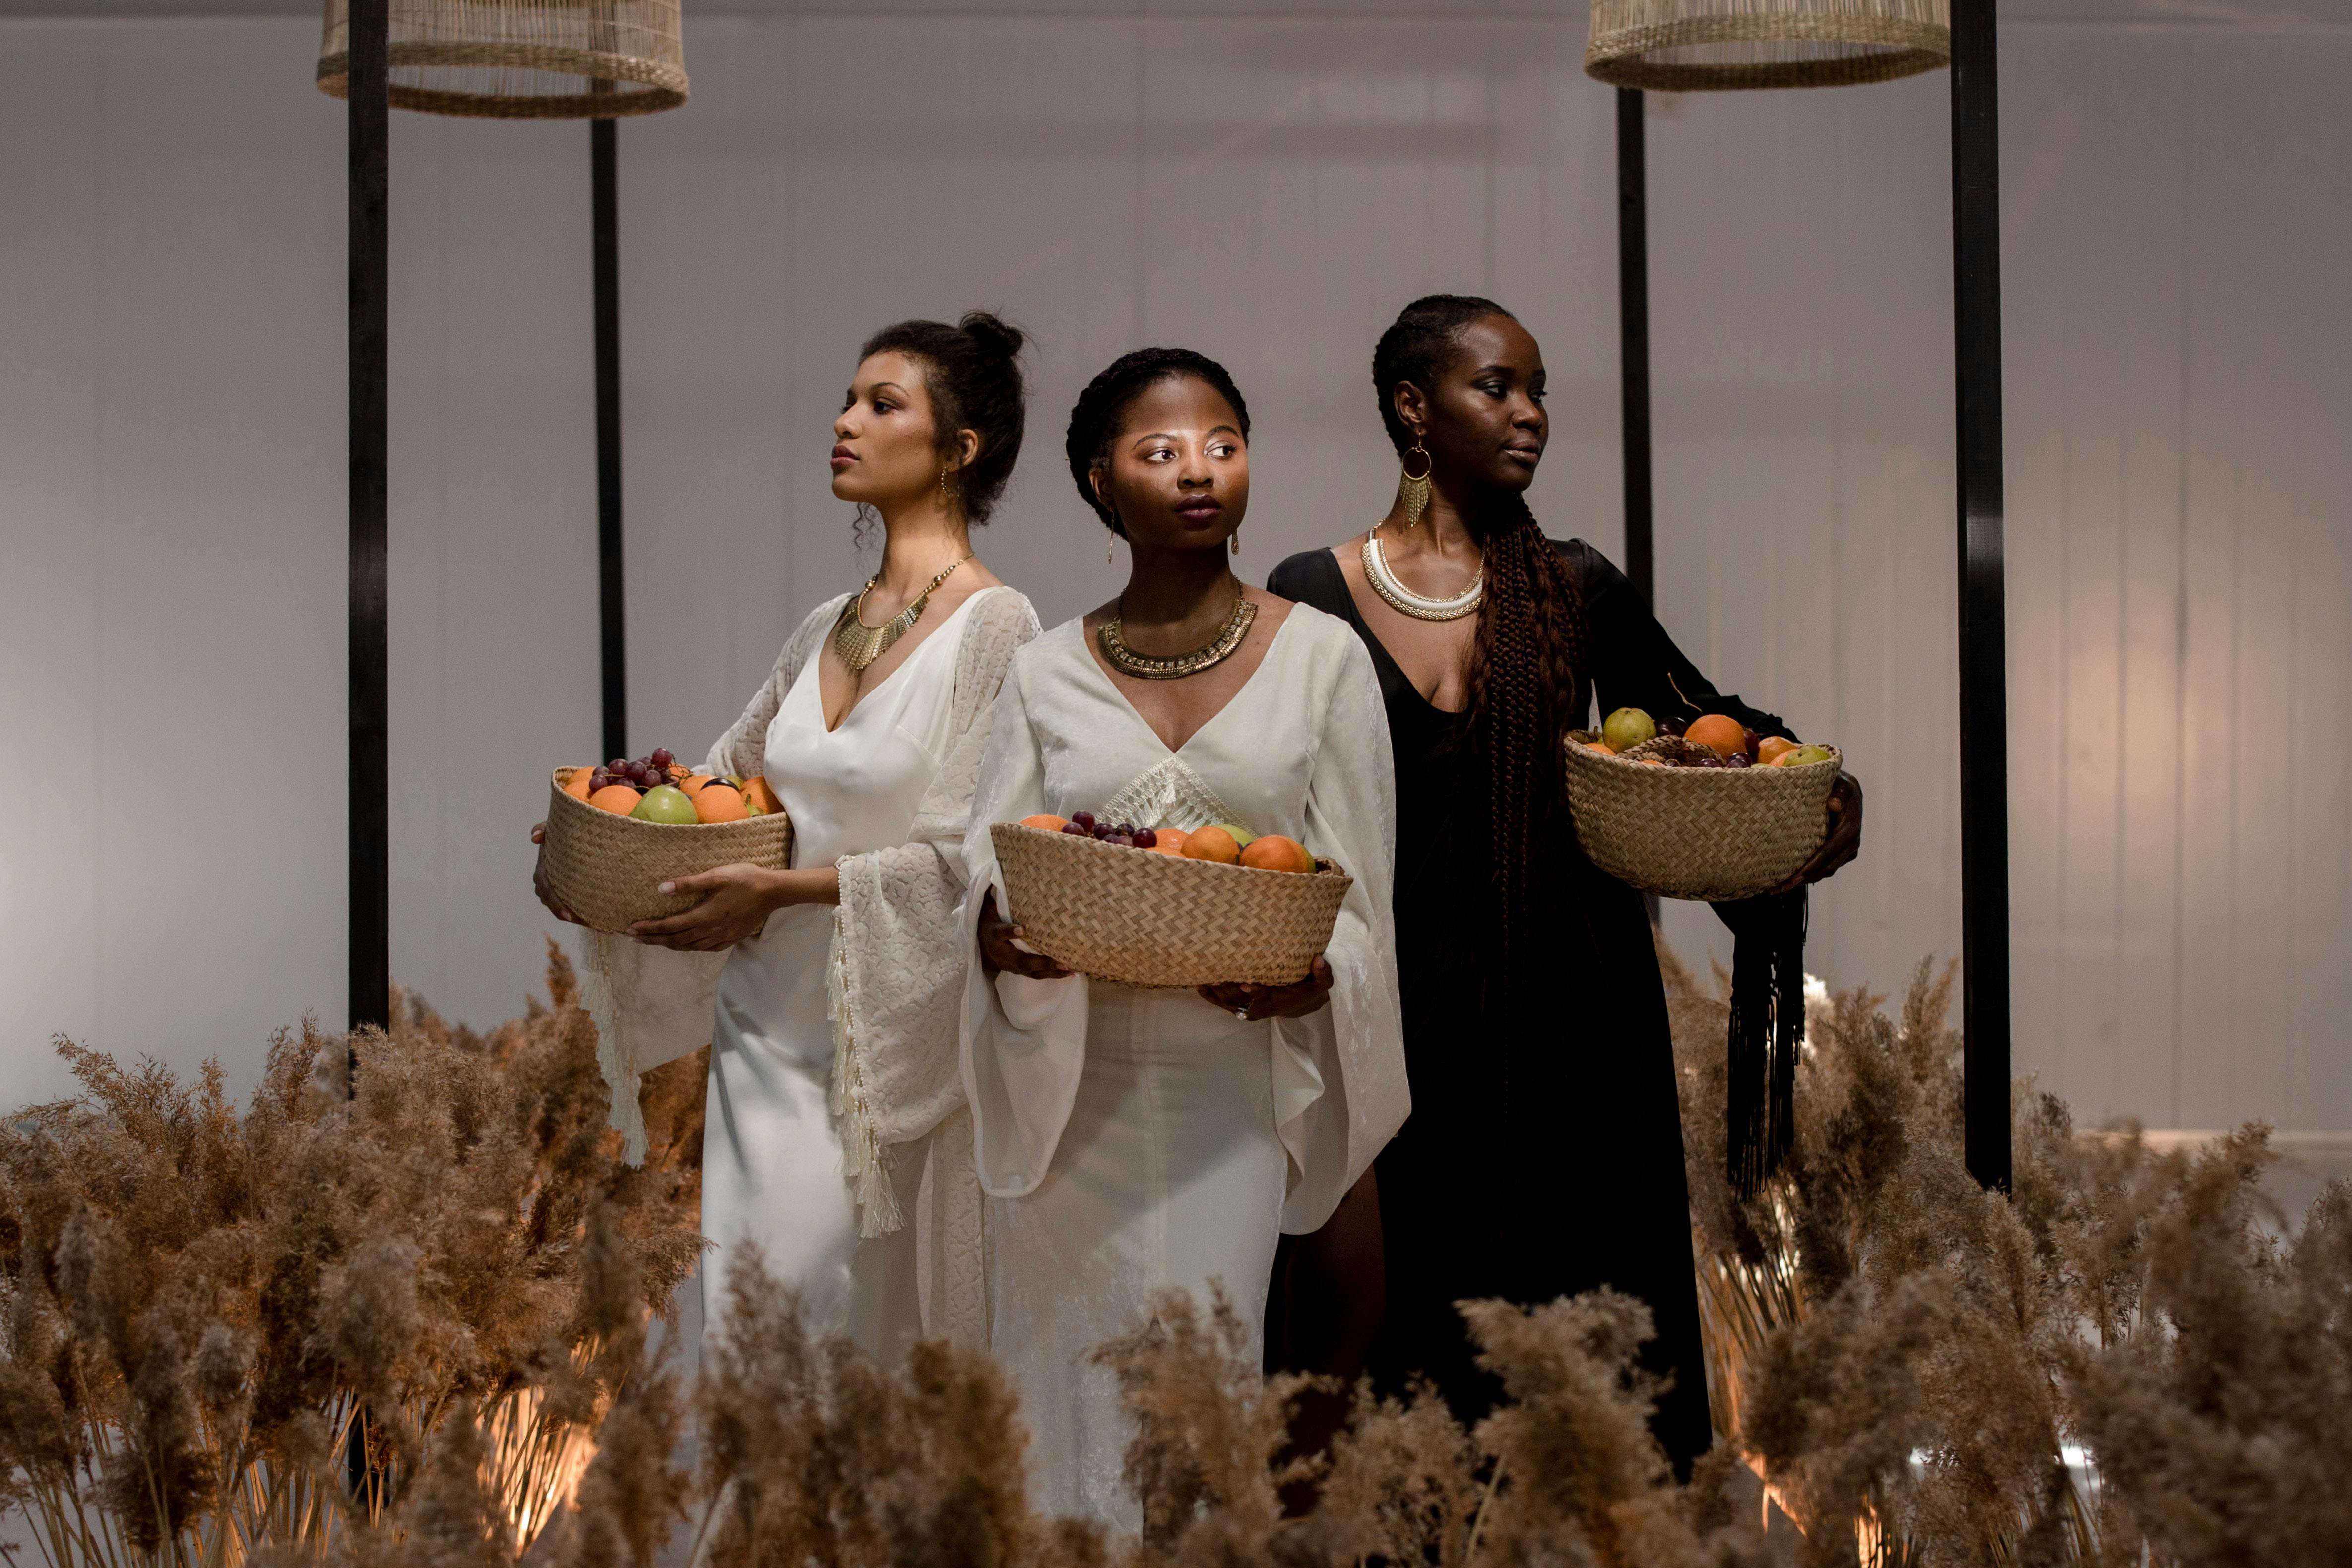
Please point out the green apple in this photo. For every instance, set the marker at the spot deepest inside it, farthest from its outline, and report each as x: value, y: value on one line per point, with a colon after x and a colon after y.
x: 1242, y: 836
x: 665, y: 803
x: 1804, y: 755
x: 1627, y: 729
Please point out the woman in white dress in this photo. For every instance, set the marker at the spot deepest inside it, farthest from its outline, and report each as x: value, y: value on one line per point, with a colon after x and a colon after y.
x: 838, y: 980
x: 1132, y: 1140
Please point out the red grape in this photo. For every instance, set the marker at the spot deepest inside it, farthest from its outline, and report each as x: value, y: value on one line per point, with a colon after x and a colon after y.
x: 661, y: 757
x: 1085, y: 820
x: 618, y: 765
x: 1072, y: 827
x: 1145, y: 838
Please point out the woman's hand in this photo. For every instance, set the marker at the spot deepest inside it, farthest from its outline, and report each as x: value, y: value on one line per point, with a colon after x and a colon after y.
x: 1845, y: 835
x: 997, y: 952
x: 1295, y: 1001
x: 738, y: 900
x: 539, y: 883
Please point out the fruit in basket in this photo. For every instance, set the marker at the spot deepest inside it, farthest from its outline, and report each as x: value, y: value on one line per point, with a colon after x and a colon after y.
x: 1272, y: 852
x: 1044, y: 822
x: 1720, y: 731
x: 1772, y: 747
x: 1241, y: 835
x: 1626, y: 728
x: 575, y: 783
x: 756, y: 793
x: 665, y: 803
x: 1212, y: 843
x: 618, y: 799
x: 718, y: 802
x: 1748, y: 742
x: 1803, y: 755
x: 1168, y: 841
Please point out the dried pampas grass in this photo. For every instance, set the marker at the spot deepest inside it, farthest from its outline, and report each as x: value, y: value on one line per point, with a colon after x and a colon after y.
x: 204, y: 1308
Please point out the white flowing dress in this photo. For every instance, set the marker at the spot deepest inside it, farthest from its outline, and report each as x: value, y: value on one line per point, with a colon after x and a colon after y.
x: 1131, y: 1140
x: 834, y: 1033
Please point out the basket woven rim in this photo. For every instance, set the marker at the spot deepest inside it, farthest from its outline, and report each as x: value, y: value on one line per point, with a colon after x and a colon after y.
x: 1582, y: 753
x: 1897, y: 47
x: 664, y: 85
x: 1322, y: 867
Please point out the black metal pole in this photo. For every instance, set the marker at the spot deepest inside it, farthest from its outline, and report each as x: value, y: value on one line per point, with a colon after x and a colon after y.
x: 370, y: 819
x: 608, y: 438
x: 1984, y: 699
x: 1633, y: 335
x: 1633, y: 351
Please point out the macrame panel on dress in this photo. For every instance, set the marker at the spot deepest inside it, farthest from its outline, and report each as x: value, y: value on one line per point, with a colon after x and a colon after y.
x: 1170, y: 795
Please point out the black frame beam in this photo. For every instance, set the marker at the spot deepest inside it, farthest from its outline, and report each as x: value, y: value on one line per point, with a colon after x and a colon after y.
x: 370, y: 957
x: 1984, y: 692
x: 1634, y: 336
x: 611, y: 643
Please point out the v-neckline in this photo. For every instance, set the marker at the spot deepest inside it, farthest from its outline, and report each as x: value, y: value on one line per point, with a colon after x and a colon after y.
x: 1380, y: 650
x: 1079, y: 630
x: 816, y: 668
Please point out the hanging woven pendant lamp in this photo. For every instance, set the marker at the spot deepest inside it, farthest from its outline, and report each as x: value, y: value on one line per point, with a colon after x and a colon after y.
x: 522, y: 59
x: 1696, y: 46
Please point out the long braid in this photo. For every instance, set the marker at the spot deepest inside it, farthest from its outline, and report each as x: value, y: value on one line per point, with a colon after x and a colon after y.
x: 1525, y: 670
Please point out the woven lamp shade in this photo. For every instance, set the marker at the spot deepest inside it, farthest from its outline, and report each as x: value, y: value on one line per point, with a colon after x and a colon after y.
x: 1694, y: 46
x: 522, y: 59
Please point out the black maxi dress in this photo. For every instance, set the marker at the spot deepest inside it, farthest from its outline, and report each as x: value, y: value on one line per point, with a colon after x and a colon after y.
x: 1543, y: 1157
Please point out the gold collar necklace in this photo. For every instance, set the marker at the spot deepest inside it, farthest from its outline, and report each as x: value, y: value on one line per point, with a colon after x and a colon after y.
x: 1146, y: 667
x: 860, y: 644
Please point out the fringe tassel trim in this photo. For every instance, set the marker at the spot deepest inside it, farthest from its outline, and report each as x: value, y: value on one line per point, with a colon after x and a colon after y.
x: 865, y: 1157
x: 613, y: 1053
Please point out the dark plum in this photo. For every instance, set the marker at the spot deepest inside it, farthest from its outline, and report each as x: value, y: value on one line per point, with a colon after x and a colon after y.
x: 1749, y: 741
x: 1670, y: 725
x: 1145, y: 838
x: 1085, y: 820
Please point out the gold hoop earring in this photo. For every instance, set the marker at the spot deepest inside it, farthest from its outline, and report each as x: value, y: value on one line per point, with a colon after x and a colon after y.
x: 1412, y: 489
x: 947, y: 497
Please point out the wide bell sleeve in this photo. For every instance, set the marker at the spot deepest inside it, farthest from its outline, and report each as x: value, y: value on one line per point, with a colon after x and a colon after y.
x: 1338, y: 1072
x: 653, y: 1005
x: 897, y: 974
x: 1023, y: 1042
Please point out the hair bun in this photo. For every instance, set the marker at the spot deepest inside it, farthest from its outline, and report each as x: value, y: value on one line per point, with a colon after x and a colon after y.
x: 992, y: 333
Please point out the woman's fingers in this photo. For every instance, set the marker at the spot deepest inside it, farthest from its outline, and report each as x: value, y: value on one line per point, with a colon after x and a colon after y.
x: 538, y: 832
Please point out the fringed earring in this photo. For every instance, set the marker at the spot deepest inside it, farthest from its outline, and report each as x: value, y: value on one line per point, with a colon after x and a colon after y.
x: 1238, y: 541
x: 1111, y: 557
x: 1412, y: 489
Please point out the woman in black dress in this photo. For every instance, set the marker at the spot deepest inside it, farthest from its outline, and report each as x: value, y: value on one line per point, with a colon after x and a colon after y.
x: 1544, y: 1155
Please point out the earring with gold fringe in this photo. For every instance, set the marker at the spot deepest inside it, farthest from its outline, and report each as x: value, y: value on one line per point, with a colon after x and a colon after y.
x: 1412, y: 489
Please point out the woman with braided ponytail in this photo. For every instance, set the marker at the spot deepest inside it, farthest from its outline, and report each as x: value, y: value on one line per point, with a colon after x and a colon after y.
x: 1544, y: 1153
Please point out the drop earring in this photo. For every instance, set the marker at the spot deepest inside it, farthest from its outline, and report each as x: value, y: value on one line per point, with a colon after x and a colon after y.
x: 1110, y: 558
x: 1238, y: 541
x: 1412, y: 489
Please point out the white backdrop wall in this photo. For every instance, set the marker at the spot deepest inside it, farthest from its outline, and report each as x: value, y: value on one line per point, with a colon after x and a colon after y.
x: 1267, y: 185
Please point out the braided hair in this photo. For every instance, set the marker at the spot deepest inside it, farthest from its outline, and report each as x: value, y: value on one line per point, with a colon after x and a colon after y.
x: 1102, y: 410
x: 1527, y: 665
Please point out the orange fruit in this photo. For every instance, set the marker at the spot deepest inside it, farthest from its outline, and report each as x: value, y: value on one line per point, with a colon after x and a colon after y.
x: 618, y: 799
x: 575, y: 783
x: 1211, y: 844
x: 756, y: 792
x: 1773, y: 747
x: 693, y: 782
x: 1649, y: 762
x: 1044, y: 822
x: 1602, y: 749
x: 719, y: 803
x: 1717, y: 730
x: 1272, y: 852
x: 1168, y: 840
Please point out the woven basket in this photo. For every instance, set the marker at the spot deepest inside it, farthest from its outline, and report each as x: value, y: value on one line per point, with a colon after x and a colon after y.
x: 1141, y: 918
x: 1715, y: 834
x: 1698, y: 45
x: 521, y: 59
x: 604, y: 866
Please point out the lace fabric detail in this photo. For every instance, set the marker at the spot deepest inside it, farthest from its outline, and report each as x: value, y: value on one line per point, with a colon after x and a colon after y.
x: 1169, y: 795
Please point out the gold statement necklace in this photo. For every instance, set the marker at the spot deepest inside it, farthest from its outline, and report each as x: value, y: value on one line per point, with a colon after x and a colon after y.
x: 1146, y: 667
x: 1390, y: 588
x: 860, y: 644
